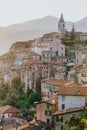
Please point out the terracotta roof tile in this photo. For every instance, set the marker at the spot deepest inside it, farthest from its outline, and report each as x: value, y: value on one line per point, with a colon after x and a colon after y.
x: 60, y: 112
x: 52, y: 101
x: 8, y: 127
x: 55, y: 82
x: 9, y: 109
x: 82, y: 50
x: 52, y: 33
x: 76, y: 66
x: 30, y: 62
x: 81, y: 91
x: 46, y: 79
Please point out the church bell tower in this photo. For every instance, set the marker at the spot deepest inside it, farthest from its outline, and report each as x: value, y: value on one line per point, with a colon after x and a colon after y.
x: 61, y: 27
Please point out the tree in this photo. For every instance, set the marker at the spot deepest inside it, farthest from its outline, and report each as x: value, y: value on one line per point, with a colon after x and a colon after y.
x: 22, y: 104
x: 29, y: 91
x: 3, y: 91
x: 33, y: 97
x: 16, y: 82
x: 74, y: 120
x: 76, y: 123
x: 38, y: 87
x: 73, y: 33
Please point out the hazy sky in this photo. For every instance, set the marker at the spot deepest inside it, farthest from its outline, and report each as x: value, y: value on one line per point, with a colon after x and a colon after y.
x: 16, y: 11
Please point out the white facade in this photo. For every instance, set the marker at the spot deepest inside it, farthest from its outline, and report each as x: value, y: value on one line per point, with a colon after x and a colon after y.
x: 54, y: 45
x: 70, y: 102
x: 38, y: 50
x: 81, y: 57
x: 58, y: 47
x: 6, y: 78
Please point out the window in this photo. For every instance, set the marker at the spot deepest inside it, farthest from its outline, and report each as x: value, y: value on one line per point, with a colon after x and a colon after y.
x: 61, y: 118
x: 61, y: 127
x: 57, y: 118
x: 62, y: 54
x: 56, y: 53
x: 63, y: 106
x: 48, y: 120
x: 42, y: 55
x: 51, y: 56
x: 48, y: 56
x: 28, y: 85
x: 63, y: 98
x: 77, y: 60
x: 48, y: 112
x: 27, y: 80
x: 48, y: 106
x: 48, y: 95
x: 51, y: 48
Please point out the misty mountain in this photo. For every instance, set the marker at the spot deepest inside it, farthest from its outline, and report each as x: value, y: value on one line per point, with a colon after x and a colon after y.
x: 33, y: 29
x: 81, y: 25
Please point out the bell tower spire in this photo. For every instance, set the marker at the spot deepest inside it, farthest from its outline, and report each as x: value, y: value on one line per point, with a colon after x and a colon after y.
x: 61, y: 27
x: 61, y: 18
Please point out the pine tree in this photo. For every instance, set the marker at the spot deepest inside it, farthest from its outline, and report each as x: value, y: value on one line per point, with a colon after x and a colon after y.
x: 73, y: 33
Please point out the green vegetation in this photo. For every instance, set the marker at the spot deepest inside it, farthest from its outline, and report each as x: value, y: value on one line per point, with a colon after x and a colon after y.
x: 73, y: 34
x: 73, y: 38
x: 16, y: 82
x: 75, y: 41
x: 17, y: 97
x: 78, y: 122
x: 38, y: 88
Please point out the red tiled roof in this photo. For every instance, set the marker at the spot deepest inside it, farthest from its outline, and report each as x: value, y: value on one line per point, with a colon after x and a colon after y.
x: 76, y: 66
x: 53, y: 33
x: 70, y: 84
x: 60, y: 112
x: 84, y: 70
x: 52, y: 101
x: 8, y: 127
x: 82, y: 50
x: 34, y: 53
x: 27, y: 125
x: 9, y: 109
x: 46, y: 79
x: 81, y: 91
x: 55, y: 82
x: 30, y: 62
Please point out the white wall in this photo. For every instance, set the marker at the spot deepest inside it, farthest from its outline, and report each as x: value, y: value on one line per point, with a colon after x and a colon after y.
x: 6, y: 78
x: 71, y: 102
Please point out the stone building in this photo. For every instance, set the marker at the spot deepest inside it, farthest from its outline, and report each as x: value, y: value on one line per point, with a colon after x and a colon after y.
x: 49, y: 87
x: 71, y: 101
x: 45, y: 110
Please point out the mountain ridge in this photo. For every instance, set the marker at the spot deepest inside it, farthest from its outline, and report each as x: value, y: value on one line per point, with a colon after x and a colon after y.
x: 33, y: 29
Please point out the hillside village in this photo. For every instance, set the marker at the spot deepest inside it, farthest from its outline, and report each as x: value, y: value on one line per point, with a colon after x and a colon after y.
x: 59, y: 61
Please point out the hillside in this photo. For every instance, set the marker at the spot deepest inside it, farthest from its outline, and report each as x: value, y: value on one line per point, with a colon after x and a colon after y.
x: 33, y: 29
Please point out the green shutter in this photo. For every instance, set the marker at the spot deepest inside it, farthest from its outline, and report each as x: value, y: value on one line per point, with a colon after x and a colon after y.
x: 48, y: 106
